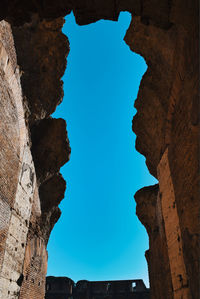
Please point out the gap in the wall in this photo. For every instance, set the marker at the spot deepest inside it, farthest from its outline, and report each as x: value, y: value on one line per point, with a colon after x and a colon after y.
x: 98, y: 236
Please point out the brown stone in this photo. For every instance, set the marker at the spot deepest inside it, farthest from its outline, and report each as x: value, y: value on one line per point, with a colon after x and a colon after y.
x: 50, y: 147
x: 149, y: 211
x: 32, y: 61
x: 43, y: 68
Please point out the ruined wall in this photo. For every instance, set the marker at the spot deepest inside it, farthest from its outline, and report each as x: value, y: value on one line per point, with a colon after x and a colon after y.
x: 17, y: 174
x: 166, y: 125
x: 65, y: 288
x: 33, y: 54
x: 29, y: 206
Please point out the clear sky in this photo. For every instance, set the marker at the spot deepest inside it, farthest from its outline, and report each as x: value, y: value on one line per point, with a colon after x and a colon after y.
x: 98, y: 236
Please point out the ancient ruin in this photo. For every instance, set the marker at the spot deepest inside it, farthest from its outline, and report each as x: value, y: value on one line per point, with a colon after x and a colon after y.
x: 33, y: 53
x: 65, y: 288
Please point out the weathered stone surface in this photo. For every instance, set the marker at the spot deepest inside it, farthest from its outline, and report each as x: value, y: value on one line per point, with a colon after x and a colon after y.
x: 16, y: 172
x: 153, y: 97
x: 59, y: 287
x: 50, y: 147
x: 88, y: 11
x: 43, y: 68
x: 19, y: 12
x: 64, y: 287
x: 166, y: 34
x: 178, y: 125
x: 51, y: 193
x: 149, y: 211
x: 146, y: 199
x: 166, y: 119
x: 172, y: 230
x: 34, y: 270
x: 24, y: 229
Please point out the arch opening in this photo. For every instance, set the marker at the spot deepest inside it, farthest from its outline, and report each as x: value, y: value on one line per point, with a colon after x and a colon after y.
x: 104, y: 165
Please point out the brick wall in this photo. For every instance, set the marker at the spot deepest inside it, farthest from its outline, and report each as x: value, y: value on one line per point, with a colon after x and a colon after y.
x: 17, y: 173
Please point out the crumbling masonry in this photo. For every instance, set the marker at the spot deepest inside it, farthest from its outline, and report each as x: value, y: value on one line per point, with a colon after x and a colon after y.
x: 65, y: 288
x: 33, y: 53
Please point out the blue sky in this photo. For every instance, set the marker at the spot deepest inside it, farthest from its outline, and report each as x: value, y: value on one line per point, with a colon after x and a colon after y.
x: 98, y: 236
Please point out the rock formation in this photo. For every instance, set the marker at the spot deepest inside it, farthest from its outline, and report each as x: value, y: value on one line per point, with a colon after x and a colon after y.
x: 33, y: 53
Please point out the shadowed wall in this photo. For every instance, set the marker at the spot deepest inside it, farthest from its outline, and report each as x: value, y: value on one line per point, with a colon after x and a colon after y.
x: 33, y: 54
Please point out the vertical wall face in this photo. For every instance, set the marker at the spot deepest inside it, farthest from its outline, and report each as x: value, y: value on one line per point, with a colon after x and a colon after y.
x: 166, y: 126
x: 165, y: 33
x: 149, y: 211
x: 172, y: 229
x: 29, y: 200
x: 17, y: 173
x: 34, y: 270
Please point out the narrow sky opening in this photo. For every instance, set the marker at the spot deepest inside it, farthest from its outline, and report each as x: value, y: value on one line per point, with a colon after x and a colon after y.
x: 98, y: 236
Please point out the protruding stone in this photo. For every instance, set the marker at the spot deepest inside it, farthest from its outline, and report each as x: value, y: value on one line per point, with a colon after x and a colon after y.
x: 50, y: 147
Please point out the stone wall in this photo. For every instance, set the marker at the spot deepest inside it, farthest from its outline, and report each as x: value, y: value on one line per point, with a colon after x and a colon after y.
x: 33, y: 54
x: 29, y: 206
x: 17, y: 174
x: 65, y: 288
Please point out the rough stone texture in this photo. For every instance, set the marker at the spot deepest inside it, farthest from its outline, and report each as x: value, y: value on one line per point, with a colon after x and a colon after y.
x: 166, y: 119
x: 166, y: 34
x: 65, y: 288
x: 43, y: 67
x: 149, y: 211
x: 51, y: 193
x: 49, y: 158
x: 172, y: 230
x: 25, y: 222
x: 59, y: 287
x: 34, y: 271
x: 17, y: 174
